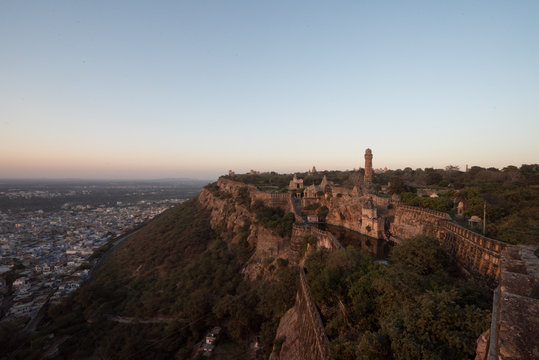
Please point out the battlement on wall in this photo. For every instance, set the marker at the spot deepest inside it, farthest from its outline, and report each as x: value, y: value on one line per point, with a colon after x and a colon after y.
x: 484, y: 242
x: 423, y: 211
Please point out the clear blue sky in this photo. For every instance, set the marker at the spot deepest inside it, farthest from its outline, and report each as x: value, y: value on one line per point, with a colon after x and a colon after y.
x: 132, y: 89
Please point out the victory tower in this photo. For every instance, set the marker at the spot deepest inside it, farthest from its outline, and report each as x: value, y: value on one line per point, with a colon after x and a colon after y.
x: 368, y: 167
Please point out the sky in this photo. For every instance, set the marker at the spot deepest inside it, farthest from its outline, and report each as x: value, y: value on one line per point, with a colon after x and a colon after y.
x: 160, y: 89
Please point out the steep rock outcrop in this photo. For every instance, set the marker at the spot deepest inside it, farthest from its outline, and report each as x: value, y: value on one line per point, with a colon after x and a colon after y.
x: 225, y: 212
x: 229, y: 202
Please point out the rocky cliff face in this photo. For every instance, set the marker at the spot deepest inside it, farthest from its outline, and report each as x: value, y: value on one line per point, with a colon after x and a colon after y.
x: 301, y: 332
x: 229, y: 203
x: 226, y: 214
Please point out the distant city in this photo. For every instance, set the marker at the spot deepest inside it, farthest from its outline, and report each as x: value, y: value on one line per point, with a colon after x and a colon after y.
x: 53, y: 233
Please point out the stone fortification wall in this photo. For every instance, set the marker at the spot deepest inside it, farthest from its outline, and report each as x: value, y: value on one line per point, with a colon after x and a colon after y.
x: 302, y: 329
x: 272, y: 199
x: 410, y: 221
x: 477, y: 253
x: 515, y: 318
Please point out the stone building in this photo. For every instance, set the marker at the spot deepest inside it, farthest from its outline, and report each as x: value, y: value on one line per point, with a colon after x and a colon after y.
x: 314, y: 193
x: 295, y: 183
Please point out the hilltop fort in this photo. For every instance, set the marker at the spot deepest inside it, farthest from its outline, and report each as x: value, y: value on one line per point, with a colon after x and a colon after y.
x: 513, y: 270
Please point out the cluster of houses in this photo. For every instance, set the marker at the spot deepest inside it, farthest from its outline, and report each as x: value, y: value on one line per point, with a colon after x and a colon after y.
x: 50, y: 251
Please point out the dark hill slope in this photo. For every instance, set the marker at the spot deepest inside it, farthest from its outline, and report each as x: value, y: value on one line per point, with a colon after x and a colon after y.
x: 159, y: 292
x: 170, y: 241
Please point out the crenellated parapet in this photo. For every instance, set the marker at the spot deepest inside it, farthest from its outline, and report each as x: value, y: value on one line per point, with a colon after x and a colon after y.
x: 477, y: 253
x: 515, y: 311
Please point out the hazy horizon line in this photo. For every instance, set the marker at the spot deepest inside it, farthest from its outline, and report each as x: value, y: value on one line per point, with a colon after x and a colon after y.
x: 210, y: 178
x: 102, y: 179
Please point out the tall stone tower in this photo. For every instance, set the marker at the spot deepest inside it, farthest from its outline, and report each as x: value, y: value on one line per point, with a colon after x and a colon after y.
x: 368, y: 167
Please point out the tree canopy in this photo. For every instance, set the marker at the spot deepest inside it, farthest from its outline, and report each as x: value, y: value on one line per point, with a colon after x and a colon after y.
x: 415, y: 308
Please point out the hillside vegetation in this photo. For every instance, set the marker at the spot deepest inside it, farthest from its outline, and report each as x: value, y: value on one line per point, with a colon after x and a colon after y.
x: 161, y: 290
x: 415, y: 308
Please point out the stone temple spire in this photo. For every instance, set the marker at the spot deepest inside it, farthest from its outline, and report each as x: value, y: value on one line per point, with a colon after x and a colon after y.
x: 368, y: 166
